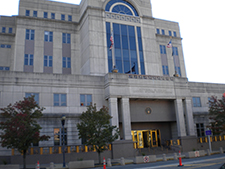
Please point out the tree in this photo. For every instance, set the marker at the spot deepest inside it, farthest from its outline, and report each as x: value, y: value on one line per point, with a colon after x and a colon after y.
x: 19, y: 126
x: 96, y: 130
x: 217, y: 114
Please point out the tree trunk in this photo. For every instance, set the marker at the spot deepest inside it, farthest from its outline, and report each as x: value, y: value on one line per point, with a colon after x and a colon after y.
x: 24, y: 159
x: 99, y: 157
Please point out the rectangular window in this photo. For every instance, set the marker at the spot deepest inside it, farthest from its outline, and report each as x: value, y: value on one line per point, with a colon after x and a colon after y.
x: 177, y: 69
x: 47, y: 61
x: 36, y: 96
x: 162, y: 49
x: 48, y: 36
x: 45, y: 14
x: 58, y: 136
x: 29, y: 34
x: 165, y: 70
x: 28, y: 59
x: 170, y: 33
x: 52, y: 15
x: 59, y: 99
x: 85, y: 99
x: 66, y: 38
x: 62, y: 17
x: 157, y: 31
x: 5, y: 46
x: 69, y: 17
x: 196, y: 101
x: 10, y: 30
x: 34, y: 13
x: 163, y: 32
x: 175, y: 51
x: 66, y: 62
x: 175, y: 34
x: 4, y: 68
x: 27, y: 13
x: 3, y: 29
x: 200, y: 129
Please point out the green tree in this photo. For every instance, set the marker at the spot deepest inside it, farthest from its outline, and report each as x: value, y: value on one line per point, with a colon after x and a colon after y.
x: 19, y: 126
x: 217, y: 115
x: 96, y: 130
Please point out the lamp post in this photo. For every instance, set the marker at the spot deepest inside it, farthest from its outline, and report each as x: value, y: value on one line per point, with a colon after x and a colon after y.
x: 63, y: 143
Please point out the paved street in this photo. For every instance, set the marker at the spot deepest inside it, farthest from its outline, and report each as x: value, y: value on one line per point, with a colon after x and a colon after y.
x: 207, y: 162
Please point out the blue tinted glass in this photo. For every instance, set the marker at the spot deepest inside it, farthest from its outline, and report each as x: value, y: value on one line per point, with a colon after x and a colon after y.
x: 139, y: 32
x: 116, y: 29
x: 89, y: 99
x: 170, y: 33
x: 125, y: 42
x: 1, y: 68
x: 8, y: 46
x: 50, y: 61
x: 52, y: 15
x: 126, y: 64
x: 64, y: 62
x: 56, y: 99
x: 82, y: 100
x: 27, y: 13
x: 62, y: 17
x: 142, y: 68
x: 68, y: 38
x: 45, y: 14
x: 157, y: 31
x: 131, y: 31
x: 63, y: 99
x: 163, y: 32
x: 3, y: 29
x: 132, y: 43
x: 2, y: 46
x: 68, y: 62
x: 34, y: 13
x: 31, y: 60
x: 10, y: 30
x: 27, y: 34
x: 45, y: 60
x: 26, y: 59
x: 174, y: 34
x: 69, y: 18
x: 123, y: 29
x: 50, y: 36
x: 32, y: 35
x: 117, y: 41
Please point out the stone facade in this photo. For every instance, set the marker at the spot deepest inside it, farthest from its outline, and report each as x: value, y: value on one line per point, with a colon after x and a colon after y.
x: 79, y: 34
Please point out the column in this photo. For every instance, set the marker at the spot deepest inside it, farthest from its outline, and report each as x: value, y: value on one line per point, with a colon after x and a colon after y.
x: 180, y: 118
x: 113, y: 110
x: 126, y: 122
x: 189, y: 117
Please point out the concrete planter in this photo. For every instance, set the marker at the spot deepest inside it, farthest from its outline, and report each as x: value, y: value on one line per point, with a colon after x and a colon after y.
x: 144, y: 159
x: 193, y: 154
x: 81, y: 164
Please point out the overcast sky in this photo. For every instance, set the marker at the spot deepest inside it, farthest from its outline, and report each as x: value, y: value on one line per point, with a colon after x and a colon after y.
x: 202, y: 29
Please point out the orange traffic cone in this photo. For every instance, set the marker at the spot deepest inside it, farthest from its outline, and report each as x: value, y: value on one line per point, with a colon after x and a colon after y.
x: 104, y: 166
x: 180, y: 161
x: 38, y: 165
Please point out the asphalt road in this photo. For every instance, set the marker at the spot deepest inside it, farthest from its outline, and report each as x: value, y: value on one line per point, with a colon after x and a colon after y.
x: 207, y: 162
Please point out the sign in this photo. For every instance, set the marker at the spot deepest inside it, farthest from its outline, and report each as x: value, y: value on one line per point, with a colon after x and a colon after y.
x: 197, y: 154
x: 146, y: 159
x: 208, y: 132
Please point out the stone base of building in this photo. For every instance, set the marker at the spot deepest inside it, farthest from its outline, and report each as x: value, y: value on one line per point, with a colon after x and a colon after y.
x: 189, y: 143
x: 122, y: 148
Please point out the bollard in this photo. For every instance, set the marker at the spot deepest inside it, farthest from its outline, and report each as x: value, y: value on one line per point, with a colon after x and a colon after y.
x: 104, y: 166
x: 164, y: 157
x: 180, y: 161
x: 208, y: 152
x: 122, y: 162
x: 221, y: 150
x: 52, y: 165
x: 175, y: 156
x: 38, y: 165
x: 109, y: 164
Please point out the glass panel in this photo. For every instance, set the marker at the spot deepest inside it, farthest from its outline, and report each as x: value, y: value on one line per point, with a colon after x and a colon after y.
x: 56, y: 137
x: 63, y: 99
x: 56, y: 99
x: 89, y: 100
x: 82, y: 100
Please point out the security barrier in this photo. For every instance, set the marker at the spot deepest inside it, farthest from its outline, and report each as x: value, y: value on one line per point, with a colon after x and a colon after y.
x: 59, y: 149
x: 212, y: 139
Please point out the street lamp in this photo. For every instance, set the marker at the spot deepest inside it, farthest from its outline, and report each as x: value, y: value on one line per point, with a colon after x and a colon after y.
x: 63, y: 144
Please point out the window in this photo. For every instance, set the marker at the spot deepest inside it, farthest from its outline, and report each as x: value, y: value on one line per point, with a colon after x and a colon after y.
x: 58, y: 136
x: 52, y: 15
x: 177, y: 69
x: 28, y: 59
x: 4, y: 68
x: 3, y: 29
x: 29, y: 34
x: 10, y: 30
x: 157, y: 31
x: 66, y: 62
x: 200, y: 129
x: 5, y: 46
x: 34, y: 13
x: 47, y: 61
x: 165, y: 70
x: 175, y: 34
x: 163, y: 32
x: 36, y: 96
x: 196, y: 101
x: 162, y: 49
x: 170, y: 33
x: 66, y: 38
x: 59, y: 99
x: 85, y: 99
x: 175, y: 51
x: 48, y: 36
x: 69, y: 17
x: 45, y: 14
x: 27, y: 13
x: 62, y: 17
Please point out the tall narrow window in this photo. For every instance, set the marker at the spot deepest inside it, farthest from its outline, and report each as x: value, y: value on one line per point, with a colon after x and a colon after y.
x: 34, y: 13
x: 3, y: 29
x: 163, y: 32
x: 157, y: 31
x: 66, y: 38
x: 45, y: 15
x: 28, y: 59
x: 48, y: 36
x: 29, y: 34
x: 170, y: 33
x: 52, y: 15
x: 175, y: 34
x: 69, y: 17
x: 200, y: 129
x: 58, y: 136
x: 48, y: 61
x: 196, y: 101
x: 164, y: 60
x: 176, y: 60
x: 62, y: 17
x: 27, y: 13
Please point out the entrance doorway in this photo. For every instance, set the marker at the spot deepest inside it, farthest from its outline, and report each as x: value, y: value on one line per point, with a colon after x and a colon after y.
x: 146, y: 138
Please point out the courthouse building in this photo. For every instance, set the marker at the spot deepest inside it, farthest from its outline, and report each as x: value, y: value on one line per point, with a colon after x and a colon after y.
x: 68, y: 56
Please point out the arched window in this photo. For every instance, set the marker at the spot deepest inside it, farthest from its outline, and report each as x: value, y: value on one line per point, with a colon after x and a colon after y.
x: 121, y: 7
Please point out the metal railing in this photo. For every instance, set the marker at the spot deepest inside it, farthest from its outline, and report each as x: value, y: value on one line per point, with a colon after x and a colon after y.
x: 212, y: 139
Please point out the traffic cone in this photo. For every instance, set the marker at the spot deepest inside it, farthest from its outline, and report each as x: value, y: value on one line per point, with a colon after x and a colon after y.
x: 104, y: 166
x: 38, y: 165
x: 180, y: 161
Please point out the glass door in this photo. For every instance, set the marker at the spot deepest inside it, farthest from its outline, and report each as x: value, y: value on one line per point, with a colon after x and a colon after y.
x: 154, y: 138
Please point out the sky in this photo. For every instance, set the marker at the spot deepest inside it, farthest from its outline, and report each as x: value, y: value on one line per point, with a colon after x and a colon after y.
x: 202, y: 29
